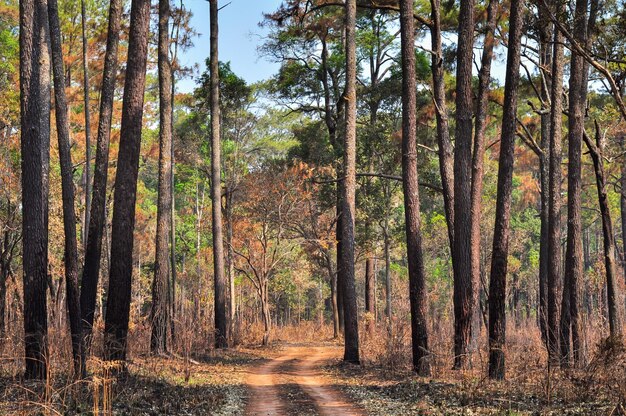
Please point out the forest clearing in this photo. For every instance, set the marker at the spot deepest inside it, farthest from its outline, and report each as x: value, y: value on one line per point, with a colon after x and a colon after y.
x: 303, y: 207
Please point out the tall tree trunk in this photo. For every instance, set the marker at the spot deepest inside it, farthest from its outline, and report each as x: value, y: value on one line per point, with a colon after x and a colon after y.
x: 160, y: 289
x: 417, y: 280
x: 93, y: 251
x: 576, y: 127
x: 70, y: 254
x: 502, y: 230
x: 221, y: 324
x: 351, y: 323
x: 446, y: 161
x: 554, y: 202
x: 484, y: 80
x: 615, y: 322
x: 83, y: 16
x: 332, y: 278
x: 461, y: 254
x: 35, y: 145
x: 124, y: 198
x: 622, y: 140
x: 545, y: 60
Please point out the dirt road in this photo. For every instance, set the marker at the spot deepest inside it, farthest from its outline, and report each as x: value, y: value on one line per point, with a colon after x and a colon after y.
x: 292, y: 384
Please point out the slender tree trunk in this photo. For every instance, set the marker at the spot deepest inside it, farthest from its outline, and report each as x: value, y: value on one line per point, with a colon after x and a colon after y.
x: 387, y: 252
x: 83, y: 16
x: 160, y: 290
x: 332, y: 277
x: 93, y: 252
x: 172, y: 218
x: 576, y: 127
x: 417, y: 281
x: 67, y: 187
x: 120, y: 274
x: 351, y: 323
x: 340, y: 273
x: 35, y: 144
x: 221, y: 324
x: 554, y: 202
x: 370, y: 294
x: 615, y: 322
x: 502, y: 230
x: 230, y: 257
x: 545, y: 51
x: 463, y: 284
x: 446, y: 160
x: 622, y: 140
x: 484, y: 80
x: 3, y: 300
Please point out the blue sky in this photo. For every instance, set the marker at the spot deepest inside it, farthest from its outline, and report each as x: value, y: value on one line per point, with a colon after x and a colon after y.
x: 239, y: 37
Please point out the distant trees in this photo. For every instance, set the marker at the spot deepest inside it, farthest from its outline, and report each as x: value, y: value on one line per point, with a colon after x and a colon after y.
x: 262, y: 245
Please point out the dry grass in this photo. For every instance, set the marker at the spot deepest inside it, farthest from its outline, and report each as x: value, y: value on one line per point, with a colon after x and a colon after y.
x: 196, y: 379
x: 385, y: 383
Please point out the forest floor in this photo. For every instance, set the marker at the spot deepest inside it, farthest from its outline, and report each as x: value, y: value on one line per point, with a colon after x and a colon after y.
x: 292, y: 379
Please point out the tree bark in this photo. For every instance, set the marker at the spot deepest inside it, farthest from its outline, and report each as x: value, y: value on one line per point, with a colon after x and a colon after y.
x: 124, y: 198
x: 93, y: 251
x: 160, y: 289
x: 417, y: 281
x: 370, y: 294
x: 351, y: 323
x: 83, y: 16
x: 502, y: 230
x: 554, y: 202
x: 230, y: 257
x: 446, y: 161
x: 478, y: 156
x: 67, y: 188
x: 546, y: 30
x: 221, y: 324
x: 35, y: 164
x: 461, y: 254
x: 622, y: 140
x: 574, y: 266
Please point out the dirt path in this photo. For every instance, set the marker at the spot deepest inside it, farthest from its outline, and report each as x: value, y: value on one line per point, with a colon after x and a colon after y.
x: 292, y: 384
